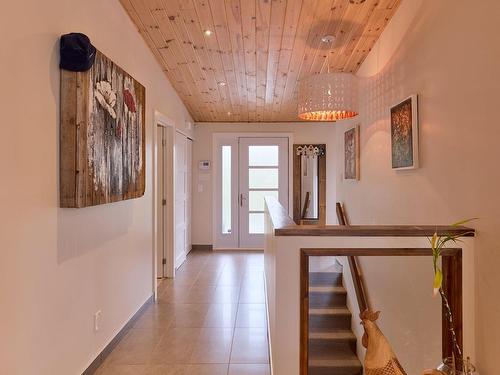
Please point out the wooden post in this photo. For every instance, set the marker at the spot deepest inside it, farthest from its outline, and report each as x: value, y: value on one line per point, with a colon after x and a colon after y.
x: 304, y: 313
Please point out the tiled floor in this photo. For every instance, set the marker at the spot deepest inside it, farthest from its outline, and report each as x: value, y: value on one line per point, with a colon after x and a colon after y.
x: 209, y: 320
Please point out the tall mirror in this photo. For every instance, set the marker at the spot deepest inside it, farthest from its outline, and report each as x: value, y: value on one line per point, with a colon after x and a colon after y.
x: 309, y: 185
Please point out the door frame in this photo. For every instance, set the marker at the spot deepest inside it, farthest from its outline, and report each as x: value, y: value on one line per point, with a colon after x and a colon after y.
x: 169, y: 125
x: 216, y: 139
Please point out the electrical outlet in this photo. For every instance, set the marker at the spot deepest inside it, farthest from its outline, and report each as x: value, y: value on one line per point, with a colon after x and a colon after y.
x: 97, y: 318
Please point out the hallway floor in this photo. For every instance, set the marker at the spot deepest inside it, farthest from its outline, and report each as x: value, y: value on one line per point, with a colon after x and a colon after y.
x: 209, y: 320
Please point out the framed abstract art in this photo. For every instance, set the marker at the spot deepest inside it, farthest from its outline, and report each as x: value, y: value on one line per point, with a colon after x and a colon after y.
x: 404, y: 134
x: 351, y: 154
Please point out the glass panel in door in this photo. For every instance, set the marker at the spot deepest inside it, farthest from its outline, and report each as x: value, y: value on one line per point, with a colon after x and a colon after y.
x: 263, y: 172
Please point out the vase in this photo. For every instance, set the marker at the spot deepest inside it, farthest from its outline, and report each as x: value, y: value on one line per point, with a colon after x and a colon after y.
x: 461, y: 367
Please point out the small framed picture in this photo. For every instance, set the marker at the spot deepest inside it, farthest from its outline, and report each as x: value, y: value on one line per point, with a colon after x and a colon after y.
x: 351, y: 154
x: 404, y: 134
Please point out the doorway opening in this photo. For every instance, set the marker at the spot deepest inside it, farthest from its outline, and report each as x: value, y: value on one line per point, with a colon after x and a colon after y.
x: 172, y: 199
x: 163, y: 199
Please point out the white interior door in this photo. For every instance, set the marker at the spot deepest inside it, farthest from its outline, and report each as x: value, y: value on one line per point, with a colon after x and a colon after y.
x: 180, y: 193
x: 263, y: 171
x: 189, y: 174
x: 161, y: 231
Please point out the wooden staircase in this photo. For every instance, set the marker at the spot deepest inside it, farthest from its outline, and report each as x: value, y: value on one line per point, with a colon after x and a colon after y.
x: 332, y: 345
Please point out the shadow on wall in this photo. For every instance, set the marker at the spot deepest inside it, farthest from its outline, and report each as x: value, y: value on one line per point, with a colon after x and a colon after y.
x: 80, y: 230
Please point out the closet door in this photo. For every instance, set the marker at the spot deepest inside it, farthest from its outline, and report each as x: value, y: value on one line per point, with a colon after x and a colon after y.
x: 180, y: 194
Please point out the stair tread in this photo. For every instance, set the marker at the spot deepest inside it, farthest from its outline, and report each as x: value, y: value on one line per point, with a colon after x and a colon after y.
x: 332, y: 335
x: 325, y: 278
x: 351, y: 361
x: 330, y: 311
x: 327, y: 289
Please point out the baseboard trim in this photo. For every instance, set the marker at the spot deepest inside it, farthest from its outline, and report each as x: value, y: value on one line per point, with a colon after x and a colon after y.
x: 202, y: 247
x: 116, y: 340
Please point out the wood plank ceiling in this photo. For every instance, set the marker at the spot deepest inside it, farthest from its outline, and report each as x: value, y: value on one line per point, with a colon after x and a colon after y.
x: 241, y: 60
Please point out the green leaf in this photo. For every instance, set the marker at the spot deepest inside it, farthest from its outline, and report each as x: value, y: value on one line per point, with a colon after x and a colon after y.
x: 438, y: 280
x: 458, y: 223
x: 434, y: 240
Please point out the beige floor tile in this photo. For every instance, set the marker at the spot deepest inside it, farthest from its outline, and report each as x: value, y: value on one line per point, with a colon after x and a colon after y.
x: 252, y: 293
x: 191, y: 330
x: 240, y: 369
x: 141, y: 337
x: 221, y: 316
x: 254, y: 277
x: 226, y: 294
x: 135, y: 348
x: 212, y: 346
x: 122, y: 370
x: 167, y: 309
x: 199, y: 294
x: 173, y: 293
x: 190, y: 315
x: 155, y: 320
x: 208, y: 278
x: 205, y: 369
x: 250, y: 346
x: 176, y: 346
x: 230, y: 277
x: 251, y: 316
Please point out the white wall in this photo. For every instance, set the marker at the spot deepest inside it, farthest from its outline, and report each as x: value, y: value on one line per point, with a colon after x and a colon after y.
x: 58, y: 266
x: 202, y: 150
x: 449, y: 57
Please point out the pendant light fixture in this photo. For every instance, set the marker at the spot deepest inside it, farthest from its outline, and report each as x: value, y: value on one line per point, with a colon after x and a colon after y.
x: 328, y: 96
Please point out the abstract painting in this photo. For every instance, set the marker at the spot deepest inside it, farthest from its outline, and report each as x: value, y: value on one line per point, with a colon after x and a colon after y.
x: 351, y: 154
x: 102, y: 142
x: 404, y: 134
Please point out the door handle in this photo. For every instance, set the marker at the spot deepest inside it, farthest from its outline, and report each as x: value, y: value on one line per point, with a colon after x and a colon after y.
x: 242, y: 197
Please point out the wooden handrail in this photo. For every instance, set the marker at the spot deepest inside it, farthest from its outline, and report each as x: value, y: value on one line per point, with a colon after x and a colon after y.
x: 284, y: 226
x: 341, y: 214
x: 307, y: 201
x: 357, y: 277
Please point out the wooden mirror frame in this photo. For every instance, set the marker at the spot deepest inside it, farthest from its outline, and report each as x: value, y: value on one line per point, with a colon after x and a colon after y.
x: 297, y: 182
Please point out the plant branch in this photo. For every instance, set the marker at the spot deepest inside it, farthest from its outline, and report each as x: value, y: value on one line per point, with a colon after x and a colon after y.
x: 451, y: 324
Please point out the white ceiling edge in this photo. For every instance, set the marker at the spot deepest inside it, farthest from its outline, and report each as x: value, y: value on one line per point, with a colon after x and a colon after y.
x: 390, y: 39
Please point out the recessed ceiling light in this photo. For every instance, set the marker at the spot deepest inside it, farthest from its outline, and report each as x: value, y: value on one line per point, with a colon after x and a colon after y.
x: 222, y: 83
x: 327, y: 39
x: 208, y: 32
x: 229, y: 113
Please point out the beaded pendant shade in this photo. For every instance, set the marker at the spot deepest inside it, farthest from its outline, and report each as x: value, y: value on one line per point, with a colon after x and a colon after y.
x: 328, y: 97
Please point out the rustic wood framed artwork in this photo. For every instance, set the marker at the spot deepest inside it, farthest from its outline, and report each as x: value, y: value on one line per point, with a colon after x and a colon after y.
x: 404, y: 134
x: 102, y: 137
x: 351, y: 154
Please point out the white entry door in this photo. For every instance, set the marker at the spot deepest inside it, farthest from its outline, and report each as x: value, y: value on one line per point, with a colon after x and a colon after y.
x: 263, y: 171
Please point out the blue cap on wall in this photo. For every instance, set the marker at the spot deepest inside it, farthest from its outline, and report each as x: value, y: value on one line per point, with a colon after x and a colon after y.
x: 77, y: 53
